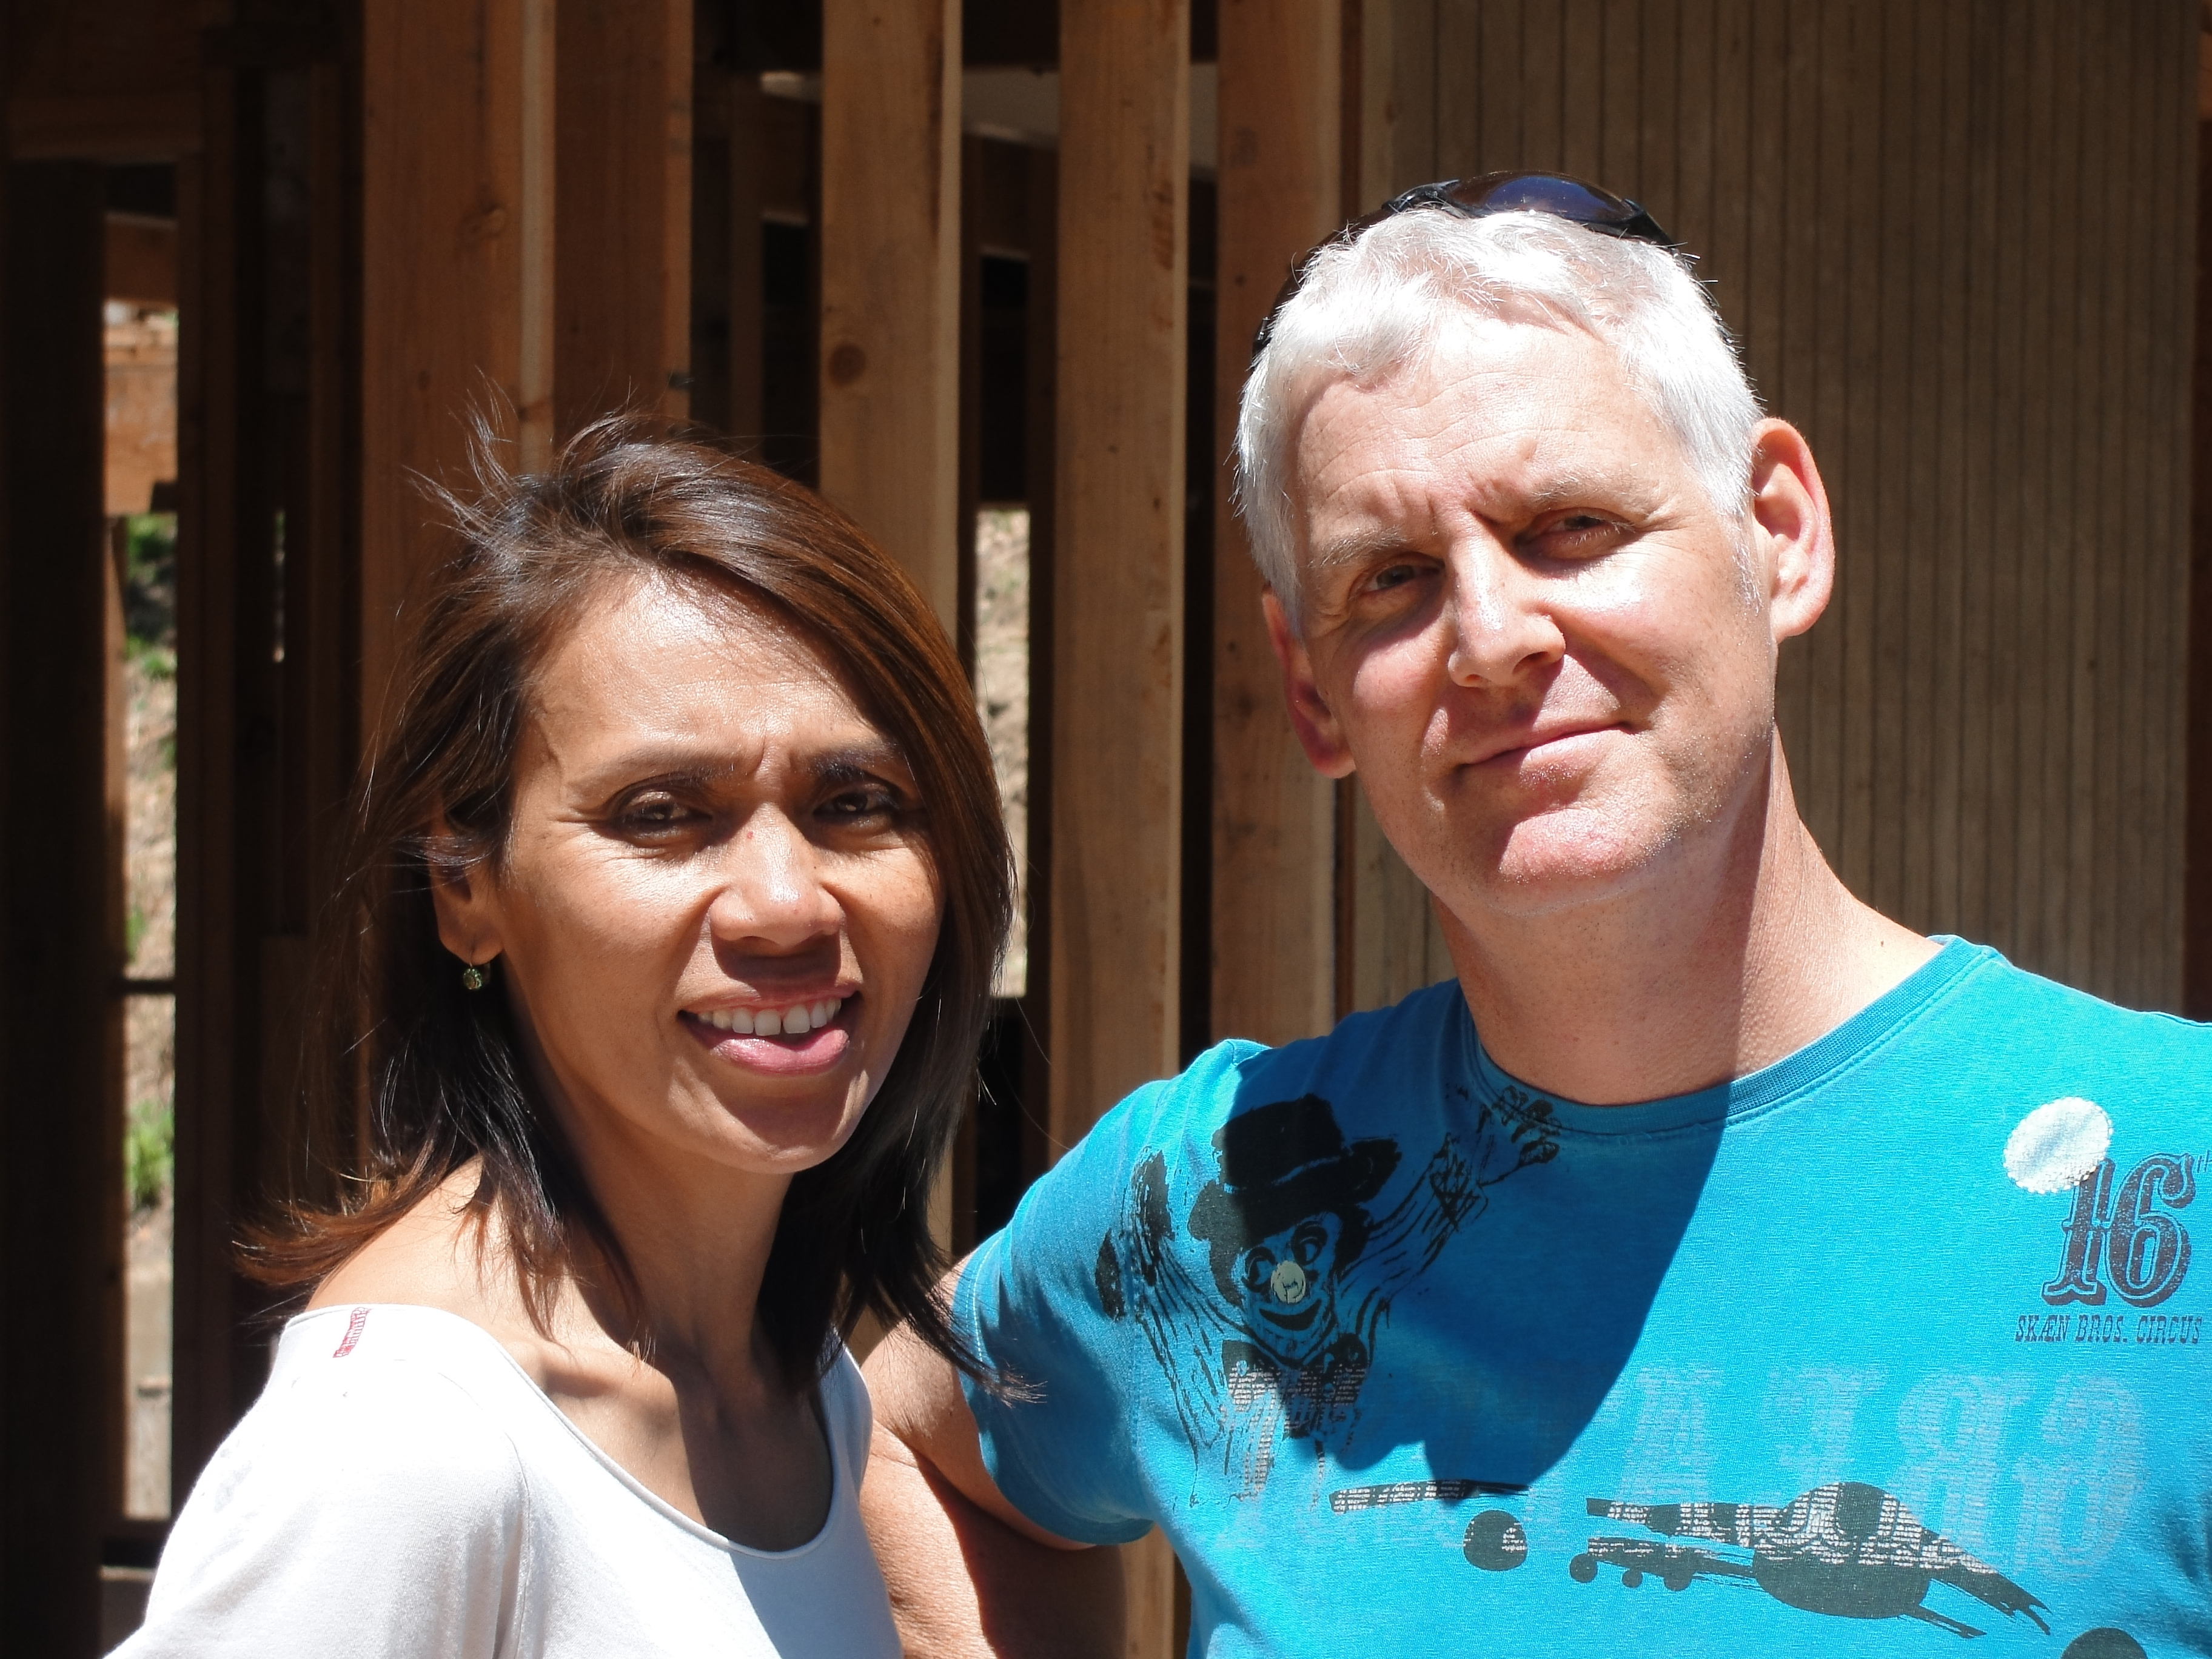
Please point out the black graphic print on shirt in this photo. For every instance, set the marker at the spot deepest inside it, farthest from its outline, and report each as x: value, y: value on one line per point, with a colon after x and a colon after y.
x: 1274, y: 1338
x: 1846, y: 1549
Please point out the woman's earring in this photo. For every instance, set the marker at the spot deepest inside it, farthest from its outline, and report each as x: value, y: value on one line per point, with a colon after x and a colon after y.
x: 472, y: 978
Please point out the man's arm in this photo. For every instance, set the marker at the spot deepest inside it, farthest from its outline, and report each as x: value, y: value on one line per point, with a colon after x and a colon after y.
x: 968, y: 1574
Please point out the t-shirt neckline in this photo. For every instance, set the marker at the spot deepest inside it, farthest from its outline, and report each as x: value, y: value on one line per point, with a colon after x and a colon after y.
x: 1771, y: 1086
x: 493, y: 1347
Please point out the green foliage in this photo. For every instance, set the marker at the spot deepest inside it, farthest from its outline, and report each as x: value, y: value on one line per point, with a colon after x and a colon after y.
x: 134, y: 932
x: 150, y: 591
x: 149, y: 1152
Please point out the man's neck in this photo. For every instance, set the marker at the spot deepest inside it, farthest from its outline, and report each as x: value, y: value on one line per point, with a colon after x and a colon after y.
x: 1746, y: 949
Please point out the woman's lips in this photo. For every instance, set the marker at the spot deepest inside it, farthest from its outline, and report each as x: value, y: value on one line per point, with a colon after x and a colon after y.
x: 786, y: 1054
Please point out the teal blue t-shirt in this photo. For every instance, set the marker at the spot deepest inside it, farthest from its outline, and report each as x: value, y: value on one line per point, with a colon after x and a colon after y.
x: 1896, y: 1344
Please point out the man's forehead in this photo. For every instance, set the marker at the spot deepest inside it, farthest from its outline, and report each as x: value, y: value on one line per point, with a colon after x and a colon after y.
x: 1508, y: 421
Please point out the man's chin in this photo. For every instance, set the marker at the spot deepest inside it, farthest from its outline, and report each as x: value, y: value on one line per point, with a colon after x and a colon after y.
x: 1557, y: 862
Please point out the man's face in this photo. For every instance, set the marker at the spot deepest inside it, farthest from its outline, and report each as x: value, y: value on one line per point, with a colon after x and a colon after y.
x: 1548, y: 654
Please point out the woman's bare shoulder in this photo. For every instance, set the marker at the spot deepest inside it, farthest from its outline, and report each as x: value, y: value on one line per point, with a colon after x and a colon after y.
x: 438, y: 1255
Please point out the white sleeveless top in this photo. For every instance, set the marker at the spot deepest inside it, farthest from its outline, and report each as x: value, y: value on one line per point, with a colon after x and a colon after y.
x: 401, y: 1488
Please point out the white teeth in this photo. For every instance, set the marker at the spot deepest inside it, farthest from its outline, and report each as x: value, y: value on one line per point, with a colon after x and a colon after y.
x: 774, y: 1022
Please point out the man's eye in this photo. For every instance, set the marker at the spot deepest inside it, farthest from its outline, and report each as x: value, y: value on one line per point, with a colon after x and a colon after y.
x: 1392, y: 575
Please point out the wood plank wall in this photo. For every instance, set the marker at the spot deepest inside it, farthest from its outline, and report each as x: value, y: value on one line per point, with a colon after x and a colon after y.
x: 1957, y: 242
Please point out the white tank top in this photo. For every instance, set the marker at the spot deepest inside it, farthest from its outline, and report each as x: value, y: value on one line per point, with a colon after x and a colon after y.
x: 401, y: 1488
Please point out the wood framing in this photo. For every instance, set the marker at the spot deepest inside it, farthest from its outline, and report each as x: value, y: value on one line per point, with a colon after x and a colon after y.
x: 60, y: 835
x: 457, y: 294
x: 891, y: 280
x: 621, y: 284
x: 1117, y: 612
x: 1280, y: 192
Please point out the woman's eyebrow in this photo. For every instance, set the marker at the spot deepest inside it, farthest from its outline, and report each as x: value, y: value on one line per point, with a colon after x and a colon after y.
x: 855, y: 763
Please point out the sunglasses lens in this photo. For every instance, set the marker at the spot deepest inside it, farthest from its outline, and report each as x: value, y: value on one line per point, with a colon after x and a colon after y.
x: 1536, y: 192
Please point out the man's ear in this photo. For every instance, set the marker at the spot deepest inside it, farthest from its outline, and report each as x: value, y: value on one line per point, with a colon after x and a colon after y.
x: 467, y: 907
x: 1319, y: 732
x: 1793, y: 541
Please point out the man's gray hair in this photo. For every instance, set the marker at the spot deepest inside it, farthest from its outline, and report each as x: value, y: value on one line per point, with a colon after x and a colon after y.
x: 1381, y: 304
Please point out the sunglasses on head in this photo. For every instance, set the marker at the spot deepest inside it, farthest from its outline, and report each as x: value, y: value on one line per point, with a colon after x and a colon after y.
x: 1552, y: 193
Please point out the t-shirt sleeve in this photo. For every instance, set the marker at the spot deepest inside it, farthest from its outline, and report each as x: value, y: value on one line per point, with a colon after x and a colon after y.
x: 1059, y: 1438
x: 376, y: 1512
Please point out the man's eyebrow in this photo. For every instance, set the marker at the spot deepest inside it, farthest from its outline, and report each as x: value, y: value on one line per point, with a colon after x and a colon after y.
x: 1357, y: 544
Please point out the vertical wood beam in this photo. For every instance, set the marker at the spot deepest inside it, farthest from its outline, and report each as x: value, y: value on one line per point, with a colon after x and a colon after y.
x: 2196, y: 858
x: 1281, y: 190
x: 1117, y: 615
x: 457, y: 198
x: 891, y: 281
x: 59, y: 848
x: 622, y: 282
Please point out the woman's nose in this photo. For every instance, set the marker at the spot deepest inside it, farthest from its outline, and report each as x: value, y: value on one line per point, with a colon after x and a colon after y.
x: 1500, y: 627
x: 772, y: 887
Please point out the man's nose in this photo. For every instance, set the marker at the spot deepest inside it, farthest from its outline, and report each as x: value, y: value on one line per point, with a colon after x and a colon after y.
x: 772, y: 889
x: 1495, y: 608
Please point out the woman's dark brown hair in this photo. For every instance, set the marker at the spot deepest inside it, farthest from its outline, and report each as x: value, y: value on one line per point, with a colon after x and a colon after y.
x: 432, y: 1075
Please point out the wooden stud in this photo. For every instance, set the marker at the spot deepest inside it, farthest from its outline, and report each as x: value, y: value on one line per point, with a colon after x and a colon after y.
x: 1274, y: 817
x: 891, y: 280
x: 60, y: 1021
x: 457, y: 289
x: 1124, y: 257
x: 621, y: 194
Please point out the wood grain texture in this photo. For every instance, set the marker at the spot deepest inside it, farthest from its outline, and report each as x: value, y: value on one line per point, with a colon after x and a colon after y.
x: 891, y: 280
x: 447, y: 289
x: 1946, y: 241
x: 1117, y: 606
x: 1280, y: 192
x: 622, y: 191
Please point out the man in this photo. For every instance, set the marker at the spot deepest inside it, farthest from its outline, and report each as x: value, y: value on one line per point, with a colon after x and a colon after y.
x: 1715, y: 1265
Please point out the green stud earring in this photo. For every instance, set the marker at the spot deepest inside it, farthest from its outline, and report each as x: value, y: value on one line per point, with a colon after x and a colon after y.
x: 472, y: 978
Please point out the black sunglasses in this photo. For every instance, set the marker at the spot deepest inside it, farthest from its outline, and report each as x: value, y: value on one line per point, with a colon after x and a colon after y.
x: 1554, y: 193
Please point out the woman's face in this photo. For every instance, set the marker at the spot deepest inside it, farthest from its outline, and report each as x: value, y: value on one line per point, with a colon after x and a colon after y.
x: 715, y: 911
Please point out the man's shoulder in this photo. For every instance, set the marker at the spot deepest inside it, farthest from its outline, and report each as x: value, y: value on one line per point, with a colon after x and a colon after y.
x: 2038, y: 1017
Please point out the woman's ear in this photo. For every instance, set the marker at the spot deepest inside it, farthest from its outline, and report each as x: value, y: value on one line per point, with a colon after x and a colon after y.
x: 1793, y: 541
x: 466, y: 903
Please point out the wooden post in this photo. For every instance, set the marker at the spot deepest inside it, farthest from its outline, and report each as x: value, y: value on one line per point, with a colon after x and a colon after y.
x: 60, y: 1034
x: 891, y: 280
x: 1273, y: 816
x: 1117, y: 615
x: 622, y: 192
x: 457, y: 197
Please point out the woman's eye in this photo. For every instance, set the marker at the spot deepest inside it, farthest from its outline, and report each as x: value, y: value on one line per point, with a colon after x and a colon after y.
x: 656, y: 814
x: 852, y: 805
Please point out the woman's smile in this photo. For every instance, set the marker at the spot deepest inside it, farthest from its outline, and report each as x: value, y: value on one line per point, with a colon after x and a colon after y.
x: 785, y: 1037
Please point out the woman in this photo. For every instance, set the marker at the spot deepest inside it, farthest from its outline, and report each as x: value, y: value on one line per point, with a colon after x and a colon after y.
x: 655, y: 994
